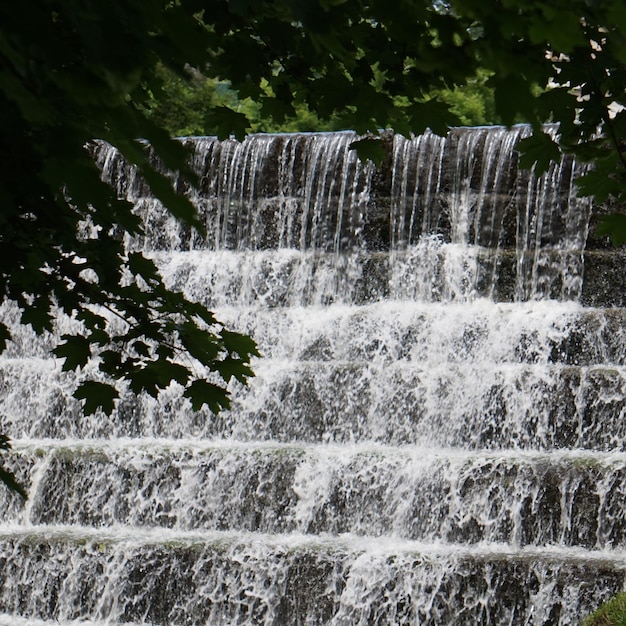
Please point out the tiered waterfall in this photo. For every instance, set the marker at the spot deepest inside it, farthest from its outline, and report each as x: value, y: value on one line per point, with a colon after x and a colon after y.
x: 435, y: 435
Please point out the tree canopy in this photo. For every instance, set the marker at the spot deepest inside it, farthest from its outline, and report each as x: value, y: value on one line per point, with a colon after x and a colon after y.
x: 72, y: 71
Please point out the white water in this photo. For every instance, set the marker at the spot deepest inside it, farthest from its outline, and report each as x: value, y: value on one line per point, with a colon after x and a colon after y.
x: 435, y: 434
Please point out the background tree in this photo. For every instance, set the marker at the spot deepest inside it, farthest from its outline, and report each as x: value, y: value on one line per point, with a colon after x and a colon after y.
x: 72, y: 71
x: 184, y: 104
x: 376, y: 64
x: 411, y: 65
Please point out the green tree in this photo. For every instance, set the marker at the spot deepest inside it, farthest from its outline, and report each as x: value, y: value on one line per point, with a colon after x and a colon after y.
x: 72, y: 71
x: 183, y: 104
x: 473, y: 103
x: 373, y: 64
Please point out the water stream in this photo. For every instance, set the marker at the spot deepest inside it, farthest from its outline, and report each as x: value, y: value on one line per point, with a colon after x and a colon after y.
x: 435, y: 434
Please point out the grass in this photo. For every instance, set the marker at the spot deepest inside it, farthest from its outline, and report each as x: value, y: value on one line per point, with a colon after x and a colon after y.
x: 612, y: 613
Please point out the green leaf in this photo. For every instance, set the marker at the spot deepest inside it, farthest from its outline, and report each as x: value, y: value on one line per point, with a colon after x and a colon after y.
x: 369, y: 149
x: 538, y: 150
x: 200, y: 344
x: 199, y: 310
x: 225, y: 122
x: 38, y: 315
x: 144, y: 379
x: 156, y: 375
x: 141, y: 348
x: 599, y: 183
x: 142, y: 266
x: 432, y: 114
x: 513, y: 98
x: 230, y: 367
x: 91, y: 319
x: 99, y: 337
x: 110, y: 362
x: 167, y: 371
x: 614, y: 226
x: 276, y: 109
x: 243, y: 345
x: 9, y: 479
x: 76, y: 351
x: 96, y: 396
x: 202, y: 392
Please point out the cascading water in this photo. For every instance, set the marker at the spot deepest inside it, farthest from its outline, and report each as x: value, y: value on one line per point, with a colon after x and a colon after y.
x: 435, y: 434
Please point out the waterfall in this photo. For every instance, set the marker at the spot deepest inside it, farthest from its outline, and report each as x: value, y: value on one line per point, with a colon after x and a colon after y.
x: 435, y: 434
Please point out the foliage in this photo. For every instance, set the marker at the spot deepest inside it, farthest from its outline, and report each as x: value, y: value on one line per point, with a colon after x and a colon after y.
x: 611, y: 613
x: 182, y: 102
x: 473, y: 103
x: 412, y: 65
x: 75, y: 70
x: 6, y: 476
x: 70, y: 72
x: 183, y: 106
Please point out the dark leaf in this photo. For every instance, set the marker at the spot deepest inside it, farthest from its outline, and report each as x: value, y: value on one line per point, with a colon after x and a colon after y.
x: 142, y: 266
x: 111, y: 362
x: 9, y: 479
x: 202, y: 392
x: 99, y: 337
x: 167, y: 371
x: 91, y: 319
x: 76, y: 351
x: 38, y: 315
x: 230, y: 367
x: 513, y: 98
x: 96, y: 396
x: 141, y: 348
x: 599, y: 183
x: 538, y: 150
x: 144, y: 379
x: 225, y: 122
x: 276, y: 109
x: 369, y: 149
x: 615, y: 227
x: 200, y: 344
x: 243, y: 345
x: 432, y: 114
x: 198, y: 310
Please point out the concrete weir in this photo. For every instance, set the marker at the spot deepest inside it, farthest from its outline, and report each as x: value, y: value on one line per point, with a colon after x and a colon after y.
x: 435, y: 434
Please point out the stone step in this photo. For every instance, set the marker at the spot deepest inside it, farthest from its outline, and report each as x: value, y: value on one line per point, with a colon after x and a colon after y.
x: 380, y: 223
x: 164, y: 578
x: 429, y: 495
x: 13, y: 620
x: 434, y: 334
x: 430, y: 272
x: 423, y: 333
x: 527, y: 406
x: 310, y: 191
